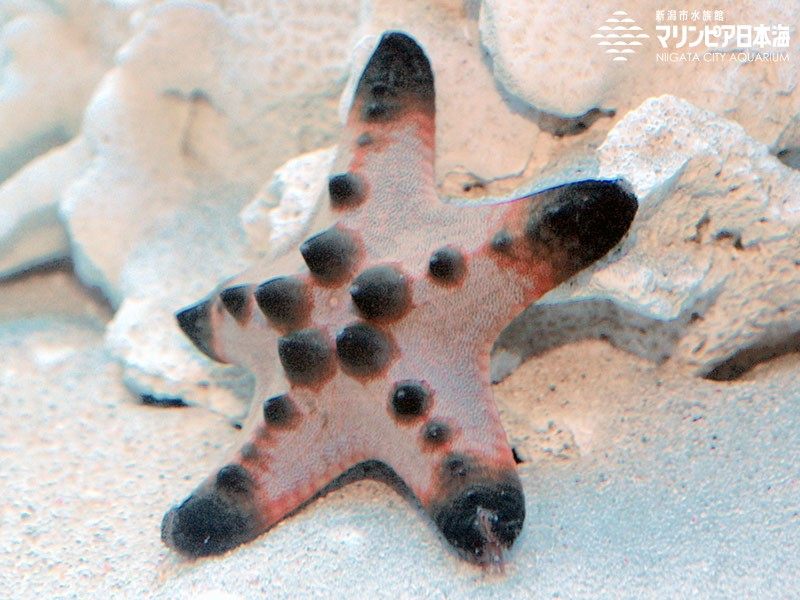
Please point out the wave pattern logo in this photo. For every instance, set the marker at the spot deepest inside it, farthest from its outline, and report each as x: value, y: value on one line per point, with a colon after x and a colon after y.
x: 620, y: 35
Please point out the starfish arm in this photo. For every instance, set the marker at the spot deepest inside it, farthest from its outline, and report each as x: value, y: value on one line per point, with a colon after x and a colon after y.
x: 293, y: 450
x: 232, y: 324
x: 447, y: 444
x: 384, y: 173
x: 482, y: 265
x: 521, y: 249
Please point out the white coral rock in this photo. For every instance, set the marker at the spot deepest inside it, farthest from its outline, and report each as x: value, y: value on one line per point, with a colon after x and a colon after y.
x: 713, y: 250
x: 30, y: 230
x: 544, y: 54
x: 51, y: 58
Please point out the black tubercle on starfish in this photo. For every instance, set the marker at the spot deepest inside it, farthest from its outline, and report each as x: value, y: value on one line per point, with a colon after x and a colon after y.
x: 363, y: 350
x: 249, y: 451
x: 447, y: 265
x: 456, y: 467
x: 410, y: 399
x: 397, y: 76
x: 279, y: 411
x: 330, y: 255
x: 381, y: 293
x: 481, y: 516
x: 502, y: 241
x: 235, y: 300
x: 284, y: 301
x: 345, y: 190
x: 195, y: 321
x: 435, y: 433
x: 577, y: 223
x: 234, y: 479
x: 305, y: 356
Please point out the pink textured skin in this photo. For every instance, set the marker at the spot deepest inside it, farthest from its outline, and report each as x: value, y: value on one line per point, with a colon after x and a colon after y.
x: 442, y: 339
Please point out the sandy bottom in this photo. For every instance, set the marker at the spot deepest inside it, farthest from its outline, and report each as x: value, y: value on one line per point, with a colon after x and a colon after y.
x: 641, y: 481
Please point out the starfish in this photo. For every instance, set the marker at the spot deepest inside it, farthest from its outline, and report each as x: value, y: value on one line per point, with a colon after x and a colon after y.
x: 376, y: 348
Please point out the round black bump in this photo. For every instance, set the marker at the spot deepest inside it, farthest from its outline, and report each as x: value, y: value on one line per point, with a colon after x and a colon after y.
x: 410, y: 399
x: 363, y: 350
x: 381, y: 293
x: 249, y: 451
x: 208, y: 524
x: 456, y: 467
x: 481, y: 517
x: 436, y: 433
x: 346, y: 190
x: 234, y: 299
x: 380, y: 111
x: 380, y: 90
x: 330, y: 255
x: 283, y: 300
x: 447, y: 265
x: 364, y: 139
x: 305, y: 356
x: 502, y: 241
x: 279, y: 411
x: 234, y: 479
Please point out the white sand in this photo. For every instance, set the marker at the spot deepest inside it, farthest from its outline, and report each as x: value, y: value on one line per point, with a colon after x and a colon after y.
x: 650, y: 483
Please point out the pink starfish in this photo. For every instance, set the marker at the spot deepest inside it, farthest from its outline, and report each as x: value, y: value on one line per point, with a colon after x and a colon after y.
x: 377, y: 349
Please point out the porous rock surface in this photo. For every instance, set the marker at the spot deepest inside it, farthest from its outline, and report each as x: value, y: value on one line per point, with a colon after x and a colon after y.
x: 711, y: 274
x: 530, y: 42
